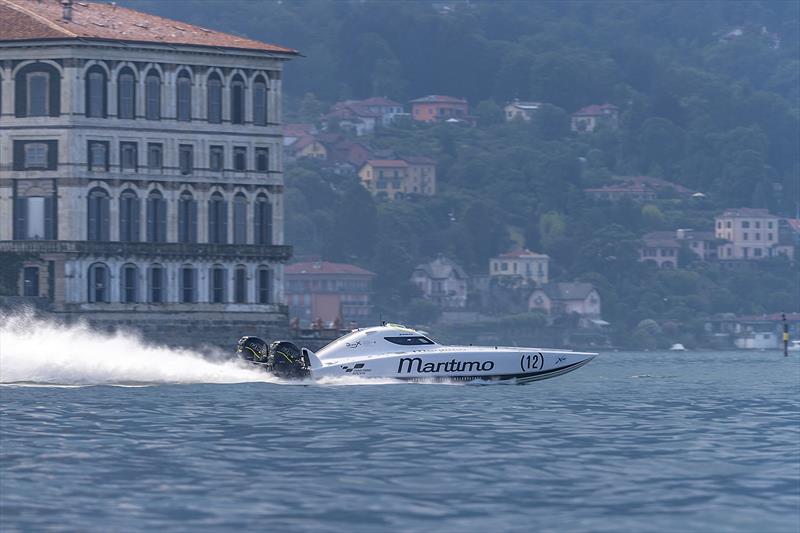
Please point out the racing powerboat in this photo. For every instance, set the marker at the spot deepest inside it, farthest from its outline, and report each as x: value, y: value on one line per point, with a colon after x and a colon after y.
x: 397, y: 352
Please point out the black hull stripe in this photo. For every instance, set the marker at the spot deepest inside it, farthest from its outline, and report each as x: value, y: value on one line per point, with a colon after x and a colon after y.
x: 521, y: 378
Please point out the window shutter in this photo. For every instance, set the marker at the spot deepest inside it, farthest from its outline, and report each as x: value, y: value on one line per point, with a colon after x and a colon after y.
x: 49, y: 218
x: 223, y: 226
x: 212, y: 222
x: 105, y: 228
x: 151, y: 230
x: 20, y: 218
x: 55, y: 93
x: 193, y: 221
x: 267, y: 223
x: 134, y: 219
x: 20, y: 95
x: 92, y: 214
x: 161, y: 226
x: 258, y: 237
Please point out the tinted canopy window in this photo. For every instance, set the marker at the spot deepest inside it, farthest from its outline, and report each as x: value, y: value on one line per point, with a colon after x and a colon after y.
x: 409, y: 341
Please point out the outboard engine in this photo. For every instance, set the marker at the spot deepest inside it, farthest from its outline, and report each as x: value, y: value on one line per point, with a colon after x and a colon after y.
x: 253, y: 349
x: 286, y: 360
x: 282, y: 358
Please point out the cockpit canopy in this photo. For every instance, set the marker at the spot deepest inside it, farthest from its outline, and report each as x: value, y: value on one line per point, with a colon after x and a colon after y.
x: 375, y: 341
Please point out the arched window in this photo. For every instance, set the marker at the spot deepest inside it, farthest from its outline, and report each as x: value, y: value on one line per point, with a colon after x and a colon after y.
x: 240, y: 219
x: 217, y: 219
x: 218, y: 282
x: 188, y: 284
x: 156, y: 217
x: 152, y: 95
x: 96, y: 92
x: 240, y: 284
x: 263, y: 284
x: 128, y: 216
x: 184, y: 96
x: 214, y: 101
x: 262, y: 230
x: 129, y: 278
x: 157, y: 281
x: 99, y: 278
x: 260, y: 93
x: 126, y: 94
x: 187, y: 218
x: 237, y: 100
x: 97, y: 214
x: 37, y: 91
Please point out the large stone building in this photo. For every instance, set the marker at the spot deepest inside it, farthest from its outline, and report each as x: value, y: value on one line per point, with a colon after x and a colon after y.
x: 750, y: 234
x: 140, y: 164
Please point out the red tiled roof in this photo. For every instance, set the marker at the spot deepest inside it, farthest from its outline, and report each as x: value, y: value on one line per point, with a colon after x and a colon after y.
x: 521, y: 253
x: 324, y: 267
x: 747, y: 212
x: 378, y: 101
x: 439, y: 99
x: 629, y: 188
x: 387, y: 163
x: 794, y: 223
x: 419, y: 160
x: 297, y: 129
x: 23, y: 20
x: 596, y: 110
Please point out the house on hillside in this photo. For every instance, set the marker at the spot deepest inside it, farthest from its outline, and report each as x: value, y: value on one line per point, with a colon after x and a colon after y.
x: 292, y: 132
x: 589, y: 118
x: 352, y: 118
x: 330, y: 292
x: 443, y: 282
x: 420, y: 176
x: 388, y: 110
x: 519, y: 110
x: 660, y: 248
x: 384, y: 178
x: 562, y: 299
x: 616, y: 192
x: 307, y: 146
x: 750, y: 234
x: 439, y: 108
x: 529, y: 268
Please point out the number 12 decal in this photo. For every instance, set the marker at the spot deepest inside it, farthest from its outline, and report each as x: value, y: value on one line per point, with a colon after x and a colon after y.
x: 532, y: 362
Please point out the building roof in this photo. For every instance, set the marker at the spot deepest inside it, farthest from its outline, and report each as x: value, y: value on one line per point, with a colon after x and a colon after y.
x: 568, y: 291
x: 662, y: 239
x: 378, y: 101
x: 523, y: 253
x: 419, y: 160
x: 386, y: 163
x: 441, y: 268
x: 596, y: 110
x: 24, y: 20
x: 297, y: 129
x: 794, y: 224
x: 621, y: 189
x: 747, y: 212
x: 528, y: 106
x: 438, y: 99
x: 313, y: 268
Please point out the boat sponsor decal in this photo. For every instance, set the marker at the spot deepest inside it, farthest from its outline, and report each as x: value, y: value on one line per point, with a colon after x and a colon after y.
x: 560, y: 359
x: 353, y: 344
x: 417, y: 365
x: 531, y: 362
x: 357, y: 369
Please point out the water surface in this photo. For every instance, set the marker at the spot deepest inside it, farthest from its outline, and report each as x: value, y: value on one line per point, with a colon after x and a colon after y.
x: 658, y: 442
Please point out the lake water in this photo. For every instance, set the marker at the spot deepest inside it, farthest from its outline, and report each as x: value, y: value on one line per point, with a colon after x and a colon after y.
x: 662, y: 442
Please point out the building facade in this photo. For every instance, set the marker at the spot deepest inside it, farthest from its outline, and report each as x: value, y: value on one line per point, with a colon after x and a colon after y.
x: 561, y: 299
x: 749, y: 234
x: 438, y: 108
x: 531, y: 268
x: 443, y: 282
x: 589, y: 118
x: 519, y: 110
x: 329, y: 292
x: 140, y: 161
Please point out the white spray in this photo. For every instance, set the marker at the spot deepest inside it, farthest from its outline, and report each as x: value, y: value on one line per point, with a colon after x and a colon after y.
x: 33, y: 350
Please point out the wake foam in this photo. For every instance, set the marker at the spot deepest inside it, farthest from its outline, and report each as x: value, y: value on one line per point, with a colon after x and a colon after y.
x: 33, y: 350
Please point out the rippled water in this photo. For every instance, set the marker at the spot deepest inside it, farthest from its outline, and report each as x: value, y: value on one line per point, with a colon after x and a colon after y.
x: 661, y: 442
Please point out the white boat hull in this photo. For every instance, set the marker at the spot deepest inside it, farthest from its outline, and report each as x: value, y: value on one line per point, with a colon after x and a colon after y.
x: 457, y: 363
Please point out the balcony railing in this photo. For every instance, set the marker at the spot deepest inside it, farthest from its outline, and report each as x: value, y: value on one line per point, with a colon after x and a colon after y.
x: 149, y: 249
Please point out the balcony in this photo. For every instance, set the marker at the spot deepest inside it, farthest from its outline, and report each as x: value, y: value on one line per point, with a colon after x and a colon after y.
x: 149, y: 249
